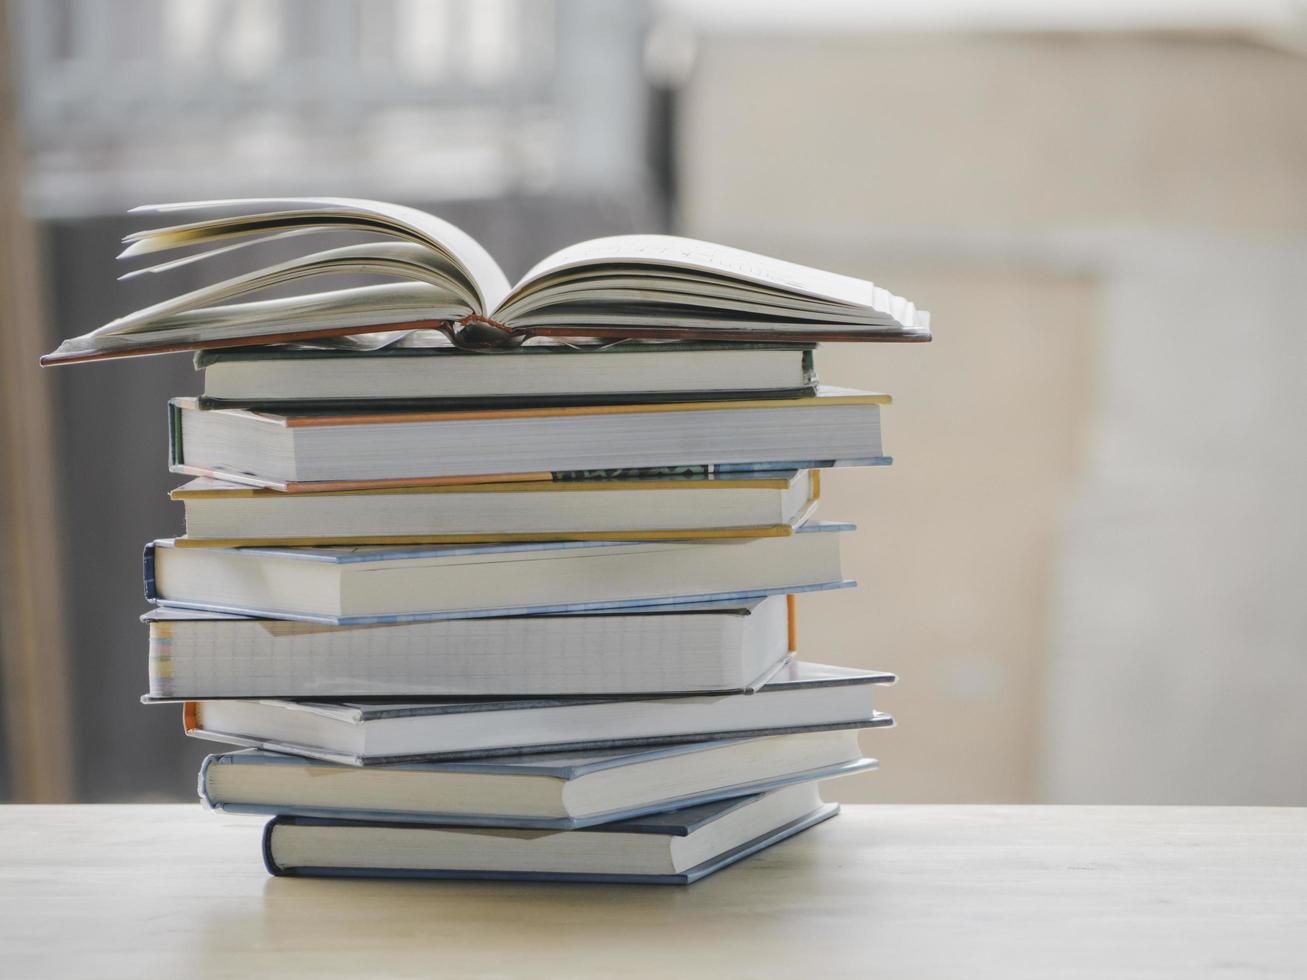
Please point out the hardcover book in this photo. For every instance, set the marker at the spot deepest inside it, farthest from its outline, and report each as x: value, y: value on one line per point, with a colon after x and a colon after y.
x: 748, y: 505
x: 553, y: 792
x: 710, y: 648
x: 345, y: 585
x: 802, y: 697
x: 674, y: 848
x: 378, y: 448
x: 534, y: 374
x: 652, y: 286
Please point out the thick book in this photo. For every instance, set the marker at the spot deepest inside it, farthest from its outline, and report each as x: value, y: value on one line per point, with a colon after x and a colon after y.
x: 349, y: 451
x: 673, y: 848
x: 802, y: 697
x: 545, y: 792
x: 344, y: 585
x: 631, y: 286
x: 711, y: 648
x: 534, y: 374
x: 750, y: 505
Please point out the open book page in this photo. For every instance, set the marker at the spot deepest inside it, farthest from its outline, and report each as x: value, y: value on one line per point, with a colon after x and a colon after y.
x: 638, y: 286
x: 602, y: 296
x: 144, y: 246
x: 606, y: 283
x: 671, y: 252
x: 327, y: 214
x: 401, y: 260
x: 362, y: 308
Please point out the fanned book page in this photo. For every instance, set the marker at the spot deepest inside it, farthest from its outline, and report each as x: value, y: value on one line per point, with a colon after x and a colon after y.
x: 436, y: 277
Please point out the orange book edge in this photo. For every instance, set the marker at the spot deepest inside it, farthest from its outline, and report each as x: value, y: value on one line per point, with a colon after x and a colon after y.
x: 690, y: 482
x: 829, y: 399
x: 685, y: 534
x: 652, y: 408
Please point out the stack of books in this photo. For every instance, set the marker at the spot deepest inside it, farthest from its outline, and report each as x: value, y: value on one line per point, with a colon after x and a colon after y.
x: 507, y: 594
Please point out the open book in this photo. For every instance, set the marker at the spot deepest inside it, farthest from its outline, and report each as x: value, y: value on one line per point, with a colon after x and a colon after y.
x: 655, y: 287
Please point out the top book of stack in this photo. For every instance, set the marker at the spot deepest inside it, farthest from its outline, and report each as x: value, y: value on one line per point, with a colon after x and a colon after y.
x: 448, y: 288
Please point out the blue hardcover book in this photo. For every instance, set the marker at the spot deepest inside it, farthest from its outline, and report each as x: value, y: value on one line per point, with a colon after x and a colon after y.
x: 802, y: 697
x: 552, y: 792
x: 306, y: 451
x: 353, y: 585
x: 671, y: 848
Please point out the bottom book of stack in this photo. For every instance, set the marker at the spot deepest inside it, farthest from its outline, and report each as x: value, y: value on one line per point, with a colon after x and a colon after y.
x: 662, y: 790
x: 672, y: 847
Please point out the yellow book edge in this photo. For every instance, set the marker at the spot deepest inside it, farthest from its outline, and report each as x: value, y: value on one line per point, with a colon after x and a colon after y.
x: 522, y: 537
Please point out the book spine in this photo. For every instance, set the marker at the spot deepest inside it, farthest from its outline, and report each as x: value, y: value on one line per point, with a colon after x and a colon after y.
x: 273, y: 868
x: 147, y: 570
x: 175, y: 454
x: 202, y: 781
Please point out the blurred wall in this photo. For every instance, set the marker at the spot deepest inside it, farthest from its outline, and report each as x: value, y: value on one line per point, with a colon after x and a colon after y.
x: 1087, y: 562
x: 529, y: 124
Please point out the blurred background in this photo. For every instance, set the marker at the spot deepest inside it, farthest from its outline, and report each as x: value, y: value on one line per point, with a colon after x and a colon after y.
x: 1089, y: 561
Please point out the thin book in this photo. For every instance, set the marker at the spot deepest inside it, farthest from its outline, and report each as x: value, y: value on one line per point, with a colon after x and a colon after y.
x: 219, y: 513
x: 540, y: 373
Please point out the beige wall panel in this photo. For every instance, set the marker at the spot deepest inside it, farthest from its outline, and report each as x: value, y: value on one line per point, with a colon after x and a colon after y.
x: 1018, y: 132
x: 1087, y: 554
x: 958, y: 539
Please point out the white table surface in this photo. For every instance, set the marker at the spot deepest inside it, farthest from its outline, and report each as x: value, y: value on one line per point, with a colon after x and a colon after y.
x: 881, y: 891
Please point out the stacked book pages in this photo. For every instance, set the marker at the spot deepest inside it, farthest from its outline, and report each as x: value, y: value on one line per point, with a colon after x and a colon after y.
x: 515, y: 566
